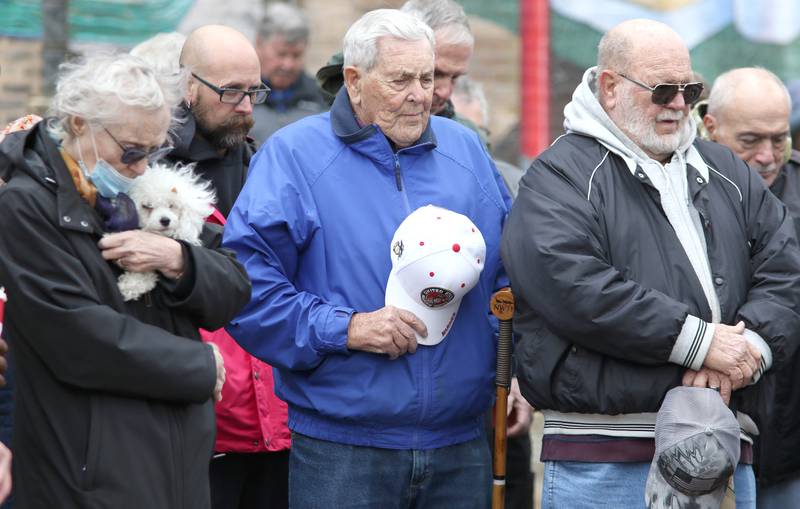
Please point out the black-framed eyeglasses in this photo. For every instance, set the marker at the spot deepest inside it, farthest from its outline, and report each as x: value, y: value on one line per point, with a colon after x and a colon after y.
x: 664, y: 93
x: 132, y: 155
x: 236, y: 95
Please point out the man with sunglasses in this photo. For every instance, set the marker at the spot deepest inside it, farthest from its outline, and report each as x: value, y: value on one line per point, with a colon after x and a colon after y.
x: 748, y: 111
x: 642, y: 259
x: 224, y: 85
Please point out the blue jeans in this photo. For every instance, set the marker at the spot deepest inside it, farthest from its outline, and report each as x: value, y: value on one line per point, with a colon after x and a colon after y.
x: 579, y: 485
x: 780, y: 495
x: 326, y: 474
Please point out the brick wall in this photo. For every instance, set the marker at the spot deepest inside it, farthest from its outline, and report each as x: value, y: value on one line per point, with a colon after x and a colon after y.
x: 20, y: 77
x: 495, y: 62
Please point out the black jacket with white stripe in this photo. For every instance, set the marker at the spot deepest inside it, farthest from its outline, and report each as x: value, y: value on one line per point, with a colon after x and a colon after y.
x: 604, y: 287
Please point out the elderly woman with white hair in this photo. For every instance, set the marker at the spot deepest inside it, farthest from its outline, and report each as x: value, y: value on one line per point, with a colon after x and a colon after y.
x: 115, y: 400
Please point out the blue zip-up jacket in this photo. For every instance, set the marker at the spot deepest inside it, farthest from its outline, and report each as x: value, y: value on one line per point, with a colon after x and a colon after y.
x: 313, y: 227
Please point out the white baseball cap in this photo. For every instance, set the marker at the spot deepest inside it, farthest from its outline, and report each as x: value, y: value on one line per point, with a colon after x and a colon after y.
x: 437, y: 257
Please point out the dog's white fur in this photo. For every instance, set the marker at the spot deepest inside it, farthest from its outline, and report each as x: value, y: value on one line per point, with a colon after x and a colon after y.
x: 171, y: 201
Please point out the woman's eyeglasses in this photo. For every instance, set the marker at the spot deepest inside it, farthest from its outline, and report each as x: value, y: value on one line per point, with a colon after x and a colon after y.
x: 132, y: 155
x: 664, y: 93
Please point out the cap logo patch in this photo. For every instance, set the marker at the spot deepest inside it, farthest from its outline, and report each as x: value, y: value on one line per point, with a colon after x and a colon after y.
x: 435, y: 297
x: 397, y: 249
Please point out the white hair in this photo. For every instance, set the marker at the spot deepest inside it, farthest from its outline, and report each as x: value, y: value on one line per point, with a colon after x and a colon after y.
x: 472, y: 91
x: 284, y: 20
x: 162, y: 52
x: 99, y: 88
x: 723, y: 92
x: 361, y: 40
x: 445, y: 17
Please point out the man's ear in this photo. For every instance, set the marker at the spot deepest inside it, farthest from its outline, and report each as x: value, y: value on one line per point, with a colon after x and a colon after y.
x: 353, y: 81
x: 607, y: 89
x: 191, y: 91
x: 711, y: 125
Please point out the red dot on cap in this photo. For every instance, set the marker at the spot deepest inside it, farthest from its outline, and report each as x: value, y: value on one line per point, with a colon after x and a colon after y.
x: 456, y: 248
x: 431, y: 274
x: 463, y: 285
x: 421, y: 243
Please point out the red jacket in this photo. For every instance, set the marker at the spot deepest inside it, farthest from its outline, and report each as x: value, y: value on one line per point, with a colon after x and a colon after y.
x: 250, y: 418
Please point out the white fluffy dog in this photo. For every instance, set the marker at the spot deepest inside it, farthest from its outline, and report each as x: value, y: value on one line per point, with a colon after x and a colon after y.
x: 171, y: 201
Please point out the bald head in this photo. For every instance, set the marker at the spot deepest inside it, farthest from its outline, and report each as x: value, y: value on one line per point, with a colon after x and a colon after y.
x: 634, y: 42
x: 748, y: 111
x: 753, y: 87
x: 214, y: 50
x: 221, y: 57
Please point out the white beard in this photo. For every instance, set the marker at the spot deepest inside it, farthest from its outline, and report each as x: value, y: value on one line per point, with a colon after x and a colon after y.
x: 642, y: 131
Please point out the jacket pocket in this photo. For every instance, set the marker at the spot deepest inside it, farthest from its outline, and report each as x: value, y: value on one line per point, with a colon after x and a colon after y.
x: 89, y: 467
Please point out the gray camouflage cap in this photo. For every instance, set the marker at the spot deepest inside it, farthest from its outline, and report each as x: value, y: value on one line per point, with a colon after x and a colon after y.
x: 697, y: 449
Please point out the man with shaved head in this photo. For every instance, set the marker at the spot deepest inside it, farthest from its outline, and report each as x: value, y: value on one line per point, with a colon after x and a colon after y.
x: 250, y: 467
x: 643, y: 259
x: 748, y: 111
x: 224, y: 84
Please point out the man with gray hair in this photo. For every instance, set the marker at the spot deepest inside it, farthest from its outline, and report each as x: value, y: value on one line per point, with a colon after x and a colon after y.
x: 281, y: 46
x: 377, y: 420
x: 454, y: 46
x: 748, y: 111
x: 643, y: 259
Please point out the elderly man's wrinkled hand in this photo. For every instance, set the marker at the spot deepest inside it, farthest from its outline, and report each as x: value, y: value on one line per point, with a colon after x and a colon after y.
x: 220, y: 365
x: 732, y: 354
x: 139, y: 251
x: 388, y: 330
x: 711, y: 379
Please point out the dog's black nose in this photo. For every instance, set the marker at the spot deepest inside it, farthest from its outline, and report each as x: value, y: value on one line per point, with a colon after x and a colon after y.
x: 164, y: 221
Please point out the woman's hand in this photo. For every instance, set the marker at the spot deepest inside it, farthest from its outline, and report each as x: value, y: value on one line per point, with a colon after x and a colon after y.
x: 139, y: 251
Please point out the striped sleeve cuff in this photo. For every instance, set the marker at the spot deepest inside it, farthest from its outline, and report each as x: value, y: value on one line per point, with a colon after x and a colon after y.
x: 755, y: 339
x: 692, y: 344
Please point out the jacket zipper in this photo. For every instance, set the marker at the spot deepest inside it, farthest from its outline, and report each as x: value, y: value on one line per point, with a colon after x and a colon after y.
x: 398, y: 179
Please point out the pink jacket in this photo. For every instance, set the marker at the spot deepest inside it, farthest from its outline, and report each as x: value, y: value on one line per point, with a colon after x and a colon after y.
x: 250, y: 418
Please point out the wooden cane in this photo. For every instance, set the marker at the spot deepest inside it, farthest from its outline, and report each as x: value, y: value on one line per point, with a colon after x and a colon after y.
x: 503, y: 308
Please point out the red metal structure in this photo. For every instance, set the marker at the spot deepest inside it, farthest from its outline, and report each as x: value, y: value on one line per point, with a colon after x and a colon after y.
x: 535, y: 86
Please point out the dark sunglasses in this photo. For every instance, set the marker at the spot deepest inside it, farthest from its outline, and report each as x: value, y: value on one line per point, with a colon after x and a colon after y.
x: 664, y: 93
x: 236, y: 95
x: 132, y: 155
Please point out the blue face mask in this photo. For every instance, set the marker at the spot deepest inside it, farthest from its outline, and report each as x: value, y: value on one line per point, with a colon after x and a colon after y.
x: 108, y: 181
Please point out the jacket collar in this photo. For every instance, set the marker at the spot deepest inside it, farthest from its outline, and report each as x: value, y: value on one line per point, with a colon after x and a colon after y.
x: 303, y: 89
x: 36, y: 154
x: 370, y: 140
x: 187, y: 144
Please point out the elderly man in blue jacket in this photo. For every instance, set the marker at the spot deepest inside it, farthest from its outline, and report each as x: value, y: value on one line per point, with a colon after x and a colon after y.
x: 377, y: 421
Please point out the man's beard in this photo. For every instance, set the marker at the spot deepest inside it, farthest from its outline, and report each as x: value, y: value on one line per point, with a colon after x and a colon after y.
x: 642, y: 132
x: 230, y: 133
